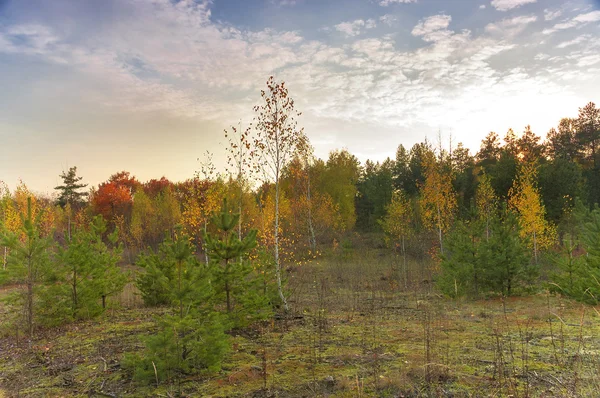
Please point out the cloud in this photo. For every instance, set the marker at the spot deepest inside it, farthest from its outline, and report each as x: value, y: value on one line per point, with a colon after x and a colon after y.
x: 505, y: 5
x: 433, y: 28
x: 482, y: 7
x: 284, y: 3
x: 510, y: 26
x: 388, y: 19
x: 575, y: 41
x: 165, y: 58
x: 579, y: 20
x: 354, y: 28
x: 550, y: 15
x: 385, y: 3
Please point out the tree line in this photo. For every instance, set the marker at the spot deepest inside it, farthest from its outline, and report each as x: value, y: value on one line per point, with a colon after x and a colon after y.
x: 495, y: 222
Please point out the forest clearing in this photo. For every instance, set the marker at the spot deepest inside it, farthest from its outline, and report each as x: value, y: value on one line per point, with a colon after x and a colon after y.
x: 435, y: 274
x: 355, y: 332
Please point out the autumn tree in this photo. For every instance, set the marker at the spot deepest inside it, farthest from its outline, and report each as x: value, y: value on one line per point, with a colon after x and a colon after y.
x: 397, y: 225
x: 114, y: 198
x: 525, y: 199
x: 277, y: 139
x: 5, y: 203
x: 240, y: 163
x: 438, y: 200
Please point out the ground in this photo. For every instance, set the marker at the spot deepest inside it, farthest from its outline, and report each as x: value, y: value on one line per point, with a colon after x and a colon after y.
x: 358, y: 330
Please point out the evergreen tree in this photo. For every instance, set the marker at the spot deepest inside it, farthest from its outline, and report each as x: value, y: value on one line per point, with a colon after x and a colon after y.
x: 504, y: 257
x: 27, y: 262
x: 191, y: 337
x: 86, y: 273
x: 590, y: 237
x: 461, y: 265
x: 475, y: 264
x: 69, y: 193
x: 232, y: 272
x: 70, y: 198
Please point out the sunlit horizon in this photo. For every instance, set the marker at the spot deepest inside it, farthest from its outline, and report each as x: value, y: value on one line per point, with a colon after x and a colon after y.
x: 149, y: 86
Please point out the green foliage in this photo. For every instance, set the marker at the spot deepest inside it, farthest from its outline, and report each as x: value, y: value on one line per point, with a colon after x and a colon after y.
x: 69, y: 191
x: 192, y: 338
x: 375, y: 188
x: 84, y: 276
x: 235, y: 281
x: 476, y: 264
x: 182, y: 345
x: 461, y: 265
x: 165, y: 282
x: 505, y: 258
x: 28, y: 263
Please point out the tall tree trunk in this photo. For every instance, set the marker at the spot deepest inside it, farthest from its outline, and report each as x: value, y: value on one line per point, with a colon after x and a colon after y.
x: 311, y: 230
x: 277, y: 262
x: 404, y: 264
x: 5, y: 258
x: 440, y: 228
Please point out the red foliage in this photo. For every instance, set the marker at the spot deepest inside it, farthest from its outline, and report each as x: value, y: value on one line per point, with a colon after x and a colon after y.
x: 115, y: 197
x: 154, y: 186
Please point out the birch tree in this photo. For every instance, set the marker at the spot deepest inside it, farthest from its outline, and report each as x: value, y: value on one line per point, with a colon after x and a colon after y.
x: 397, y: 225
x: 278, y: 138
x: 438, y: 199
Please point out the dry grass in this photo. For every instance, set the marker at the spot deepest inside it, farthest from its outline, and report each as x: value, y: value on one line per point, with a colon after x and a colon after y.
x: 357, y: 333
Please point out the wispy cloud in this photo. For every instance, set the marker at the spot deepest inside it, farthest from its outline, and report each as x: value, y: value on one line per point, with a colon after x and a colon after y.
x: 388, y: 19
x: 575, y: 41
x: 505, y: 5
x: 175, y: 60
x: 550, y: 15
x: 433, y: 28
x: 356, y: 27
x: 385, y: 3
x: 579, y: 20
x: 510, y: 26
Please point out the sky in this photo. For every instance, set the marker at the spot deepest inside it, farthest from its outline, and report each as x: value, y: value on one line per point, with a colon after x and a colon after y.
x: 148, y: 86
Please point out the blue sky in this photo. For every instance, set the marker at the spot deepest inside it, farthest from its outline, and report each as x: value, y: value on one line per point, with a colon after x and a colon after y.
x: 149, y: 85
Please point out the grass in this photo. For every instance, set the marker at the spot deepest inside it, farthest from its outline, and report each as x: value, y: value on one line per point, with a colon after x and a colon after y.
x: 357, y: 333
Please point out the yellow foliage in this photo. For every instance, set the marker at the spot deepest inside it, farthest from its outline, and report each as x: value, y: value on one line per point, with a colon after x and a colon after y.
x: 397, y: 222
x: 525, y: 199
x: 438, y: 200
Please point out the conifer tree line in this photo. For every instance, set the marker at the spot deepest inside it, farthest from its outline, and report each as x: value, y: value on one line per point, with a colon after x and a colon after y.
x: 520, y: 211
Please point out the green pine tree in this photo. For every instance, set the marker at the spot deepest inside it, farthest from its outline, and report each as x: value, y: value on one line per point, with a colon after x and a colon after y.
x: 505, y: 257
x: 191, y: 337
x: 86, y: 273
x: 27, y: 263
x: 461, y: 265
x: 234, y: 276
